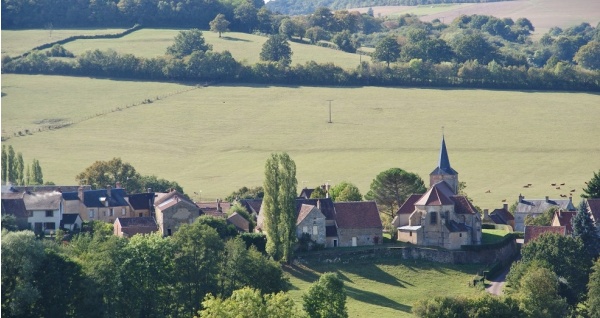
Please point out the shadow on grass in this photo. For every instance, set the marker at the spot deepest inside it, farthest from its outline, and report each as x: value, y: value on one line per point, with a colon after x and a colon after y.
x: 234, y: 39
x: 372, y: 272
x: 375, y: 299
x: 302, y: 273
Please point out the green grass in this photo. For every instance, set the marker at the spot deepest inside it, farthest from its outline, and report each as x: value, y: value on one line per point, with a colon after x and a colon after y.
x: 18, y: 42
x: 492, y: 236
x: 217, y: 139
x: 387, y: 288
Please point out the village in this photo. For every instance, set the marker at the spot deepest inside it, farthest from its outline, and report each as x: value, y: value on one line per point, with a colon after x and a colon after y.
x: 441, y: 217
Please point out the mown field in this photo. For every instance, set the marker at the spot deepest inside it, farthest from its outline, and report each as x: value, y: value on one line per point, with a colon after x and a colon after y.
x: 387, y: 288
x: 150, y: 43
x: 216, y: 139
x: 544, y: 14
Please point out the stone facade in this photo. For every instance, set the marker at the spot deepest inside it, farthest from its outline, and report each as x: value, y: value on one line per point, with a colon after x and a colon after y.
x: 173, y: 210
x: 359, y: 237
x: 311, y: 221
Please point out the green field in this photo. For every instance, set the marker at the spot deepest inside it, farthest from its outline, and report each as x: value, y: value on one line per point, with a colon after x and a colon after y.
x: 387, y: 288
x: 216, y: 139
x: 150, y: 43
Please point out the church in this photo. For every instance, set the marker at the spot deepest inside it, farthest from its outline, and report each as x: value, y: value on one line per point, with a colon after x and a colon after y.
x: 440, y: 217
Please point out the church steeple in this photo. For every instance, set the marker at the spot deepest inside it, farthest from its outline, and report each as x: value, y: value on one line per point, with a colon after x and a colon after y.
x: 444, y: 172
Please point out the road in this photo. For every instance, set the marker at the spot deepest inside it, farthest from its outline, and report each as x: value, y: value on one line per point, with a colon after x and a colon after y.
x: 498, y: 283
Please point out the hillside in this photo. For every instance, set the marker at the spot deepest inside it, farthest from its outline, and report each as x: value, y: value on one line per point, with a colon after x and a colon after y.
x: 217, y: 138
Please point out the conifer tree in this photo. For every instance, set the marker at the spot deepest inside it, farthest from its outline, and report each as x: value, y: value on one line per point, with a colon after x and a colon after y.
x: 592, y: 191
x: 584, y: 228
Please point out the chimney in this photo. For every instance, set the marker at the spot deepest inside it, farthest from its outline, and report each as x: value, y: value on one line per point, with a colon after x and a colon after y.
x: 80, y: 193
x: 118, y: 185
x: 505, y: 206
x: 149, y: 190
x: 108, y: 190
x: 485, y: 214
x: 327, y: 186
x: 219, y: 209
x: 560, y: 213
x: 521, y: 197
x: 319, y: 204
x: 547, y: 198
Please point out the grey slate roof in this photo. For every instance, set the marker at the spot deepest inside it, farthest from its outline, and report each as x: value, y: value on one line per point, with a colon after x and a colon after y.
x: 542, y: 205
x: 92, y: 198
x: 444, y: 163
x: 454, y: 226
x: 14, y: 207
x: 326, y: 206
x: 42, y: 201
x: 70, y: 196
x: 594, y: 208
x: 145, y: 221
x: 142, y: 201
x: 70, y: 218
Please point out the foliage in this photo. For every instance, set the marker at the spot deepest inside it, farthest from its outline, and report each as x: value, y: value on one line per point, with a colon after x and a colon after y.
x: 545, y: 219
x: 387, y: 50
x: 390, y: 189
x: 37, y: 177
x: 258, y: 240
x: 187, y: 42
x: 318, y: 193
x: 593, y: 300
x: 9, y: 223
x: 279, y: 206
x: 153, y: 183
x: 584, y: 229
x: 239, y: 209
x: 345, y: 42
x: 58, y: 50
x: 473, y: 46
x: 588, y: 56
x: 344, y: 192
x: 566, y: 257
x: 326, y: 298
x: 244, y: 193
x: 218, y: 224
x: 592, y: 189
x: 539, y: 294
x: 250, y: 303
x: 277, y: 49
x: 219, y: 24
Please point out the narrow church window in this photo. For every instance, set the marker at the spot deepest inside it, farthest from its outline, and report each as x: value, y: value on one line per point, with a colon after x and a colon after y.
x: 315, y: 230
x: 459, y: 234
x: 433, y: 219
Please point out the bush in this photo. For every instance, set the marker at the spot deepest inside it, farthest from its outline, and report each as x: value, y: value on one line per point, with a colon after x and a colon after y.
x: 258, y: 240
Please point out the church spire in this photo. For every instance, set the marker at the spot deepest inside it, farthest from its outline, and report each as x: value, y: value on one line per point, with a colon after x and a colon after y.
x: 444, y: 163
x: 444, y: 172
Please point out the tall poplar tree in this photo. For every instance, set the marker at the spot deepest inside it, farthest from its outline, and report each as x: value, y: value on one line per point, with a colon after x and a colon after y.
x: 20, y: 166
x: 11, y: 167
x: 280, y: 206
x: 37, y: 177
x: 4, y: 163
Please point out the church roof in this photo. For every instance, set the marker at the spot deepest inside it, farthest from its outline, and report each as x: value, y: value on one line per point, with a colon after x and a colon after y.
x: 438, y: 194
x: 444, y: 163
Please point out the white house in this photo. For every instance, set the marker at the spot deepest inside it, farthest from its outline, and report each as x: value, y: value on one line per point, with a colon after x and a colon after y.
x: 44, y: 210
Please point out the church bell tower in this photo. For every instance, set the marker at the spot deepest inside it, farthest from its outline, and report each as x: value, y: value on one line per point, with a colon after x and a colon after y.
x: 443, y: 171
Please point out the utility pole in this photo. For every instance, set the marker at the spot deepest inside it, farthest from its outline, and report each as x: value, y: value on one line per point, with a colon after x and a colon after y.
x: 330, y: 100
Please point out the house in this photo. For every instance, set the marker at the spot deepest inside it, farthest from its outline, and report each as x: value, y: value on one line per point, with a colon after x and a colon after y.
x: 100, y: 205
x: 306, y: 193
x: 442, y: 217
x: 251, y: 205
x: 172, y: 210
x: 142, y: 204
x: 533, y: 232
x: 44, y: 211
x: 499, y: 216
x: 335, y: 224
x: 13, y: 204
x: 311, y: 221
x: 593, y: 207
x: 563, y: 218
x: 241, y: 224
x: 128, y: 227
x: 358, y: 223
x: 537, y: 207
x: 71, y: 222
x: 404, y: 212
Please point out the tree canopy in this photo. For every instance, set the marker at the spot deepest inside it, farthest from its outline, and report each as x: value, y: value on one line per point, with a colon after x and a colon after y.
x: 219, y: 24
x: 583, y: 228
x: 592, y: 189
x: 387, y: 50
x: 279, y: 205
x: 187, y: 42
x: 326, y: 298
x: 390, y: 189
x: 344, y: 192
x: 277, y: 49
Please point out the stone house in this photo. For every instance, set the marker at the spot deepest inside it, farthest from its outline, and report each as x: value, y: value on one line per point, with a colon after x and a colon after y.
x: 499, y: 216
x: 172, y: 210
x: 537, y: 207
x: 241, y: 224
x: 98, y: 205
x: 442, y: 217
x: 142, y: 204
x: 311, y: 221
x: 358, y: 223
x: 406, y: 209
x: 128, y: 227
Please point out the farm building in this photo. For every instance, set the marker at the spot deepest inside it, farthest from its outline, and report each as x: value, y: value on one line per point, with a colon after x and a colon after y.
x: 537, y: 207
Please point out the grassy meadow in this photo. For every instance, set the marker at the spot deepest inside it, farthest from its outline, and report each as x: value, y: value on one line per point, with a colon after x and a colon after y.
x: 387, y: 288
x: 213, y: 140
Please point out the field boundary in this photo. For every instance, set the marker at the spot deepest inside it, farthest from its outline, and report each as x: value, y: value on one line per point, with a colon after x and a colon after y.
x: 54, y: 125
x: 82, y: 37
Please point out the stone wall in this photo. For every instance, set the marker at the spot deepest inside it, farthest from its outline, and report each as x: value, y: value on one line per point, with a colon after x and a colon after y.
x: 487, y: 256
x: 363, y: 236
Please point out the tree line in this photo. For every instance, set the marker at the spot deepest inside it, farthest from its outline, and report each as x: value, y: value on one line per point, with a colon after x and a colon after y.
x: 15, y: 171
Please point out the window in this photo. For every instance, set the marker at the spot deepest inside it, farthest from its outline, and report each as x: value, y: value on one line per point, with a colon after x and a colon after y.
x: 433, y: 218
x: 49, y: 225
x: 410, y: 233
x: 112, y: 212
x: 91, y: 214
x: 49, y: 213
x: 315, y: 230
x: 335, y: 243
x: 305, y: 229
x: 168, y: 232
x: 459, y: 234
x: 122, y: 211
x: 141, y: 214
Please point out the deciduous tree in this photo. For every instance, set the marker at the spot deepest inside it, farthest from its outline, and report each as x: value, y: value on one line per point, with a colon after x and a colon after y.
x: 387, y: 50
x: 186, y: 42
x: 103, y: 173
x: 593, y: 301
x: 277, y: 49
x: 280, y: 206
x: 219, y: 24
x: 345, y: 191
x: 326, y: 298
x: 37, y: 177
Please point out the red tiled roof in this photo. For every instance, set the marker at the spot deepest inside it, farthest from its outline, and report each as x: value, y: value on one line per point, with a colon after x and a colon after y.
x: 564, y: 219
x: 463, y: 205
x: 438, y: 194
x: 408, y: 206
x: 357, y: 215
x: 305, y: 209
x: 533, y: 232
x: 594, y: 208
x: 239, y: 222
